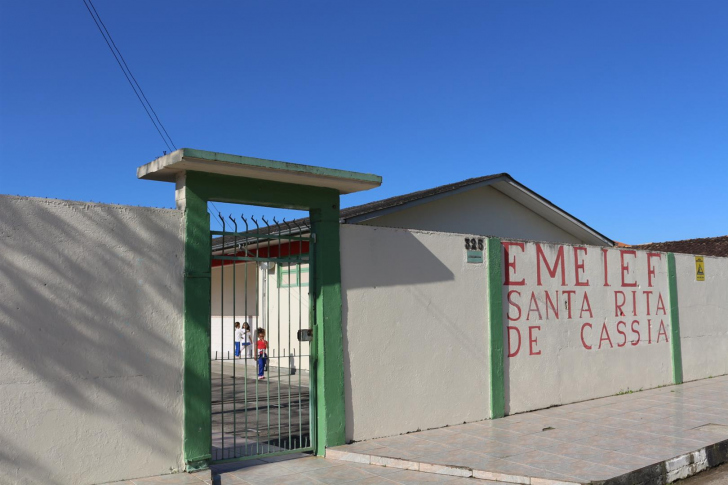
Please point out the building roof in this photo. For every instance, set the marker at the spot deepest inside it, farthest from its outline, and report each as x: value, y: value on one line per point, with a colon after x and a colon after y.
x: 374, y: 209
x: 502, y: 182
x: 706, y: 246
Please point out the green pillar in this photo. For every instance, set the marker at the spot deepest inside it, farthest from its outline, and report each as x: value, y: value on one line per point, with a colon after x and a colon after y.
x: 495, y: 328
x: 329, y: 349
x: 196, y: 387
x: 675, y: 343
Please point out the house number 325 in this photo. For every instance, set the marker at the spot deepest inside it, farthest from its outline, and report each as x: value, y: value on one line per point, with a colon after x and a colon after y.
x: 473, y: 244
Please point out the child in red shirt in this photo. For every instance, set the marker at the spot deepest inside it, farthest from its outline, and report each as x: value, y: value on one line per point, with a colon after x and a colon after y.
x: 262, y: 346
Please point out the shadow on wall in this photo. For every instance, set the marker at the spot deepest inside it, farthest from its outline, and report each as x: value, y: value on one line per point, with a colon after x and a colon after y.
x: 506, y: 350
x: 90, y: 340
x: 410, y: 309
x: 408, y: 260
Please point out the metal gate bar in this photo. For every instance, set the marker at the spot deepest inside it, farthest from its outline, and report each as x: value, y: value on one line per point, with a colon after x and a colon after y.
x: 254, y: 430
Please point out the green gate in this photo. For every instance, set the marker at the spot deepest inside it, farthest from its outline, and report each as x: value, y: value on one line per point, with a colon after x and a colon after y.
x: 201, y: 177
x: 262, y: 400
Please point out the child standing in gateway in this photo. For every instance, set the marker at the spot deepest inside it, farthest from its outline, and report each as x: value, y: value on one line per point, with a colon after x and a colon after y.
x: 262, y: 347
x: 238, y: 338
x: 247, y: 345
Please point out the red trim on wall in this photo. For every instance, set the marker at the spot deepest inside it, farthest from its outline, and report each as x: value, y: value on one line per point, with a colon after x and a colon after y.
x: 283, y: 250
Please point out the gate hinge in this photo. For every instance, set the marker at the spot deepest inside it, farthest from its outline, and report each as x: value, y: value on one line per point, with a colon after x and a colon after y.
x: 313, y: 237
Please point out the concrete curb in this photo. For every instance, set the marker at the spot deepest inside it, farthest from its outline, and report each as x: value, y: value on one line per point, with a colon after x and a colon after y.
x: 660, y: 473
x: 677, y: 468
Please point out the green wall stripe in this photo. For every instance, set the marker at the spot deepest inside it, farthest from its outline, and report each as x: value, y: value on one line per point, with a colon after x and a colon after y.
x: 329, y: 351
x: 495, y: 328
x: 675, y: 346
x: 196, y: 387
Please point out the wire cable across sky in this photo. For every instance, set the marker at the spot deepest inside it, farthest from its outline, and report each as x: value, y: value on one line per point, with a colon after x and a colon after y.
x: 129, y: 76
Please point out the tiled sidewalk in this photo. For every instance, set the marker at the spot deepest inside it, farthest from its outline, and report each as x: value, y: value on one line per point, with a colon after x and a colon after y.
x: 311, y: 470
x: 302, y: 469
x: 619, y: 439
x: 616, y: 439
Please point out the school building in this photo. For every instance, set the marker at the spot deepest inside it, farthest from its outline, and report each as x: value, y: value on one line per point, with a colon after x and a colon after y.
x: 465, y: 302
x: 494, y: 205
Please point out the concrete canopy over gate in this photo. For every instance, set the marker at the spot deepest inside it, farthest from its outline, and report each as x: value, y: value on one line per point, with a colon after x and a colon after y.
x: 203, y: 176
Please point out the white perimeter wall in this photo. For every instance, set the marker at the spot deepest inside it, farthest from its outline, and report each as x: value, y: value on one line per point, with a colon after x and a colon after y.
x: 415, y: 343
x: 605, y: 337
x: 703, y: 317
x: 580, y: 322
x: 90, y: 341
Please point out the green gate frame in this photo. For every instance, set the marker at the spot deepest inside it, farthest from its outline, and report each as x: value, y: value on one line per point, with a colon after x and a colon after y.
x: 327, y: 352
x: 201, y: 177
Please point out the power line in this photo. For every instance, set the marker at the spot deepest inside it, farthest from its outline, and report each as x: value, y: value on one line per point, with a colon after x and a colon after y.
x: 213, y: 204
x: 134, y: 85
x: 131, y: 74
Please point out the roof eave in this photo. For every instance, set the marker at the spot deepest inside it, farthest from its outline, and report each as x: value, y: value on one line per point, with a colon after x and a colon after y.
x: 425, y: 200
x: 535, y: 201
x: 529, y: 199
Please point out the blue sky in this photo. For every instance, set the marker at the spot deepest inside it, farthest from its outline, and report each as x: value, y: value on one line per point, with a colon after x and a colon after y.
x: 617, y: 111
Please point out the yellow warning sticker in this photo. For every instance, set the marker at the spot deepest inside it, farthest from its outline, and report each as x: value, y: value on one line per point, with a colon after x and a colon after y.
x: 699, y: 268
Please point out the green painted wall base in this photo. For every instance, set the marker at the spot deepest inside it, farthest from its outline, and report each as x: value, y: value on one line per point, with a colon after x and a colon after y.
x: 201, y: 464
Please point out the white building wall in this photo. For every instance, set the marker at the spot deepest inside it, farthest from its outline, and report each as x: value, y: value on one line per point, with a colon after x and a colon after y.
x: 554, y: 364
x: 484, y: 211
x: 703, y: 317
x: 90, y: 341
x: 228, y: 307
x: 414, y: 330
x: 282, y: 311
x: 287, y: 310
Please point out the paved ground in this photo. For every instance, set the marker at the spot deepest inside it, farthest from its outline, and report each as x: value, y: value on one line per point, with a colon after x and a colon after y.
x: 250, y: 416
x: 311, y: 470
x: 577, y: 443
x: 173, y: 479
x: 299, y: 469
x: 302, y: 469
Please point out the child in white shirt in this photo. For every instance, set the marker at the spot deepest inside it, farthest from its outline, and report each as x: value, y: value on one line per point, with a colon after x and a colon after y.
x: 239, y: 338
x: 246, y: 343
